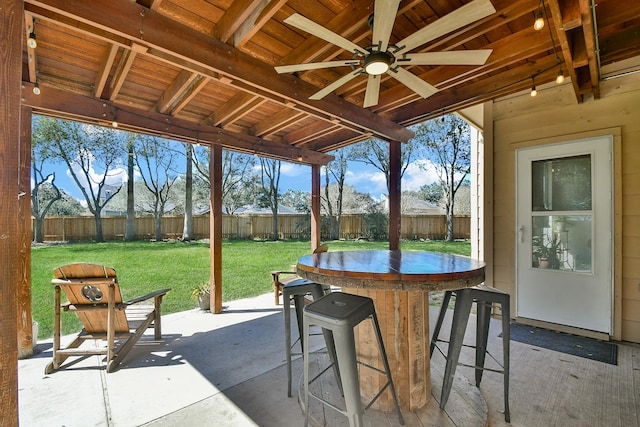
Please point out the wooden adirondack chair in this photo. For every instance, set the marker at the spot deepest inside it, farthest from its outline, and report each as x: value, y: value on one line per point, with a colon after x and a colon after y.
x: 94, y: 295
x: 277, y: 282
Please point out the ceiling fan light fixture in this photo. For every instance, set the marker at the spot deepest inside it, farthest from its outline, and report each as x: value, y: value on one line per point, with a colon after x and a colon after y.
x: 377, y: 63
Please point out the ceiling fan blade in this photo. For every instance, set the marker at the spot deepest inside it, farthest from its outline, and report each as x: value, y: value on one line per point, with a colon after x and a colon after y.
x: 335, y: 85
x: 314, y: 66
x: 372, y: 92
x: 413, y: 82
x: 465, y: 15
x: 384, y: 17
x: 455, y: 57
x: 317, y: 30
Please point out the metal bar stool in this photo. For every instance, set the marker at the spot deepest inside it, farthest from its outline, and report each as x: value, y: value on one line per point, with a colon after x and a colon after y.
x: 484, y: 296
x: 298, y: 290
x: 341, y: 312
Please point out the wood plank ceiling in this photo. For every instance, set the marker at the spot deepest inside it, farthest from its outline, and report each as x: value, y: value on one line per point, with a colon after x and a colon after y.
x: 203, y: 70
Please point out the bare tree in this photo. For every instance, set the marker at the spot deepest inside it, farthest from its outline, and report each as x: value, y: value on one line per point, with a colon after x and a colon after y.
x: 239, y: 182
x: 338, y: 170
x: 352, y: 200
x: 39, y: 207
x: 375, y: 152
x: 93, y: 155
x: 187, y: 231
x: 270, y: 173
x: 155, y: 158
x: 130, y: 229
x: 447, y: 141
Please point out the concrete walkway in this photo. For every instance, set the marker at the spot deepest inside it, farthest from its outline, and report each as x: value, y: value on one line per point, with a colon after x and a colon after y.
x: 201, y: 356
x: 229, y: 370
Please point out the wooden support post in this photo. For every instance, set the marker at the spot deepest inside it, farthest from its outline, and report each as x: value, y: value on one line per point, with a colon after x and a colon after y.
x: 11, y: 34
x: 316, y: 238
x: 215, y: 232
x: 25, y: 321
x: 395, y: 190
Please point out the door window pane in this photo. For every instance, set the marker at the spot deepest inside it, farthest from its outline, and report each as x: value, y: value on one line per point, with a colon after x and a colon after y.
x: 562, y: 184
x: 562, y: 242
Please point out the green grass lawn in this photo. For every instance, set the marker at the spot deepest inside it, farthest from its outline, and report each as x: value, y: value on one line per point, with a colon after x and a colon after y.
x: 143, y: 267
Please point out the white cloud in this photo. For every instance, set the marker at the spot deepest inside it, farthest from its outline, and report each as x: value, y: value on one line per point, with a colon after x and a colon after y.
x: 370, y: 181
x: 115, y: 178
x: 292, y: 169
x: 419, y: 173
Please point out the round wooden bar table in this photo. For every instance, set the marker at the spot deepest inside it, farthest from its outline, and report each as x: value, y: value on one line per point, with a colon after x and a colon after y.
x: 399, y: 283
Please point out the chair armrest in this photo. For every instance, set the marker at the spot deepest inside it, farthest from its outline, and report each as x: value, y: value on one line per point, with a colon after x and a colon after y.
x: 278, y: 273
x: 155, y: 294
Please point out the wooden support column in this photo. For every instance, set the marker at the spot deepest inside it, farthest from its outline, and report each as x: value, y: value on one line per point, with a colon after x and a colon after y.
x: 11, y: 32
x: 316, y: 239
x: 25, y: 321
x: 215, y: 229
x: 395, y: 190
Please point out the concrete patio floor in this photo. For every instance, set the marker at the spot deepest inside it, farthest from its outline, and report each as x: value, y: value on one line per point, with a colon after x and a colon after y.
x: 229, y: 370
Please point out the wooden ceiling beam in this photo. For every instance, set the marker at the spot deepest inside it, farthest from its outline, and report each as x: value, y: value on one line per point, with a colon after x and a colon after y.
x: 346, y: 23
x: 256, y: 20
x: 126, y: 61
x: 507, y: 52
x: 477, y: 92
x: 237, y: 13
x: 230, y: 109
x: 189, y: 94
x: 58, y: 102
x: 278, y: 121
x: 506, y: 12
x: 588, y: 31
x: 175, y: 91
x: 255, y: 103
x: 338, y: 138
x: 105, y: 68
x: 31, y: 52
x: 612, y: 46
x: 567, y: 49
x: 309, y: 132
x: 123, y: 18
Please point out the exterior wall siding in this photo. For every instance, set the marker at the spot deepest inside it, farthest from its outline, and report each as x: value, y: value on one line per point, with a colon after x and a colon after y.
x: 555, y: 116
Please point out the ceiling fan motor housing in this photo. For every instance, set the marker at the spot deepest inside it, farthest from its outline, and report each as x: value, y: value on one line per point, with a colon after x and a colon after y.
x: 378, y: 63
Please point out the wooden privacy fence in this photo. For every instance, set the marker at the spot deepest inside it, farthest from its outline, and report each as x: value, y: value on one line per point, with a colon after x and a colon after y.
x: 352, y: 226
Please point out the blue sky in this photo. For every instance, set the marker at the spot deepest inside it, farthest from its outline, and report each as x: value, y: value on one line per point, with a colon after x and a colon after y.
x: 364, y: 178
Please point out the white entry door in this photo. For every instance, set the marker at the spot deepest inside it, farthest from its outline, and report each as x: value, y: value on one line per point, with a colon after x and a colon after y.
x: 564, y: 234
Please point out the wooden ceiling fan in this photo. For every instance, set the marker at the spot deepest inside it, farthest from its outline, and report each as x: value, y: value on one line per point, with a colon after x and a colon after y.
x: 382, y: 57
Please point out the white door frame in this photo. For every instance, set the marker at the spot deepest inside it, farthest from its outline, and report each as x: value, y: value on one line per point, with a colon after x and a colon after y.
x: 604, y: 245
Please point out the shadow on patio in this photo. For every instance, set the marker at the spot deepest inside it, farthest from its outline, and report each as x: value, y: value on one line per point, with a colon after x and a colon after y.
x: 229, y: 370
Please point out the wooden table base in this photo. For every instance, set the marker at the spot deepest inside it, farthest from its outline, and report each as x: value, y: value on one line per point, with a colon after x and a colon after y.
x: 404, y: 323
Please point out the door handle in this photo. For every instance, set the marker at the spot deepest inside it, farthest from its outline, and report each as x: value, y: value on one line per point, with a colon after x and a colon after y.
x: 521, y: 234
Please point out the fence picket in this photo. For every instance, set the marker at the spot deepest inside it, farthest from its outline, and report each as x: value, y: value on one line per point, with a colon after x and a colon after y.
x: 352, y: 226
